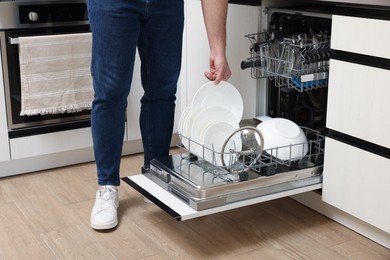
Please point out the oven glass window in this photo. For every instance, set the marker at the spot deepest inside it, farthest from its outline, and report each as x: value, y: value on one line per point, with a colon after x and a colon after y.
x: 15, y: 121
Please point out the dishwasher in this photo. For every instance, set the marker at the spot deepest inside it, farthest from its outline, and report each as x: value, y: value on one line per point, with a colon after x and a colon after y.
x: 293, y: 56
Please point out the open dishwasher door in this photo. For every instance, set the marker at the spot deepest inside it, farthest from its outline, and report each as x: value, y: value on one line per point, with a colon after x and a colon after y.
x: 180, y: 210
x: 187, y: 186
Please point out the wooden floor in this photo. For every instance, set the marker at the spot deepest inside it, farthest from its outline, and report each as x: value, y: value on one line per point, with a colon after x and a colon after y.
x: 45, y: 215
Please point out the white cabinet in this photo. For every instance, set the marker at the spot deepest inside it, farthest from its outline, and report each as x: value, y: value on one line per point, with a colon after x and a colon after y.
x: 361, y: 35
x: 357, y: 182
x: 4, y: 145
x: 51, y: 143
x: 356, y: 167
x: 363, y: 2
x: 359, y: 102
x: 241, y: 20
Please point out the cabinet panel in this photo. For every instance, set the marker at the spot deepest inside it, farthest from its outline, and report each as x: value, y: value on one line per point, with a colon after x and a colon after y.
x: 361, y: 35
x: 371, y: 2
x: 357, y: 182
x: 242, y: 20
x: 358, y: 102
x: 4, y: 145
x: 51, y: 143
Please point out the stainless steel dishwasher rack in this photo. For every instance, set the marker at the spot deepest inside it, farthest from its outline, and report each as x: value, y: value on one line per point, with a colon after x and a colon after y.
x: 249, y: 172
x: 298, y: 61
x: 264, y: 162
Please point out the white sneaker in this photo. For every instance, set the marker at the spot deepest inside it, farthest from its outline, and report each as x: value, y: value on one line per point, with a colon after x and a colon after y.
x: 104, y: 212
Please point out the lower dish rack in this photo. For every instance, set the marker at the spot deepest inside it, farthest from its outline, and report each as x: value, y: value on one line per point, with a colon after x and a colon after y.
x: 247, y: 173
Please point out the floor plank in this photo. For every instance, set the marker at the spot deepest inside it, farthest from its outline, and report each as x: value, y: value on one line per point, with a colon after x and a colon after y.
x: 355, y: 249
x: 17, y: 239
x: 277, y: 234
x: 76, y: 242
x: 42, y: 209
x: 309, y: 222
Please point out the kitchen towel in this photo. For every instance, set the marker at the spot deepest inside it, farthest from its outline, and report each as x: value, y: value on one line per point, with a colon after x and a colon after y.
x: 55, y: 73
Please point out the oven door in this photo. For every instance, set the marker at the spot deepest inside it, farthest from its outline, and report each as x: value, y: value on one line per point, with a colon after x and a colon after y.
x: 18, y: 125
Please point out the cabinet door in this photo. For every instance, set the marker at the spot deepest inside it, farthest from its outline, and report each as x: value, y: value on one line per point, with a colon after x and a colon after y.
x: 359, y: 102
x: 4, y: 145
x: 375, y: 2
x: 357, y: 182
x: 45, y: 144
x: 361, y: 35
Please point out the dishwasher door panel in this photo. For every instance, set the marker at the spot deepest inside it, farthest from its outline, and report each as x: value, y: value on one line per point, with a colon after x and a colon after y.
x: 181, y: 211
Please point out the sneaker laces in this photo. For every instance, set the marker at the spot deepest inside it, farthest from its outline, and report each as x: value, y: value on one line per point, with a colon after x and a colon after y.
x: 105, y: 200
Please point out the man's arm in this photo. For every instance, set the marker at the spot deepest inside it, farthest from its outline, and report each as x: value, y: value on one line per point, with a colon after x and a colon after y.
x: 215, y: 13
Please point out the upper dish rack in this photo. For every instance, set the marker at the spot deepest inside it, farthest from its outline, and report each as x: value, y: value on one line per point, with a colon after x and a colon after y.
x: 237, y: 162
x: 299, y: 61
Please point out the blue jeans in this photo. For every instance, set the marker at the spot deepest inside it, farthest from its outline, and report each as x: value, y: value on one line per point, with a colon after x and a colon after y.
x: 118, y: 28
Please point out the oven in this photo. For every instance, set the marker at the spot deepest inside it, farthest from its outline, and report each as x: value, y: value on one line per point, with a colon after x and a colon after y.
x: 34, y: 19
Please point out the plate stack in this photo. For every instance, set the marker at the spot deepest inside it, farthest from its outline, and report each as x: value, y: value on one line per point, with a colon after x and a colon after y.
x: 208, y: 122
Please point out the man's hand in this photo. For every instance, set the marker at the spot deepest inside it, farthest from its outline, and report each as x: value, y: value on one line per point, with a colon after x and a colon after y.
x: 219, y: 69
x: 214, y: 13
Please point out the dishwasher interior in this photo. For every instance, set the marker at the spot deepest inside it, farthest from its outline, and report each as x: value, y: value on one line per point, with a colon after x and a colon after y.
x: 293, y: 55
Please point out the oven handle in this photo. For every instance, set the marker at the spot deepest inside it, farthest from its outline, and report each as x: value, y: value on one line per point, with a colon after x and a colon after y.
x: 13, y: 41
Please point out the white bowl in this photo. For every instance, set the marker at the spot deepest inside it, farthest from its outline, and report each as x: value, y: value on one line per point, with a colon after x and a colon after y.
x: 283, y: 139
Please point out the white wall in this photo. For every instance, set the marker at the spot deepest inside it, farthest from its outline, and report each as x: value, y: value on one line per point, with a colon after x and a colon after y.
x: 241, y: 20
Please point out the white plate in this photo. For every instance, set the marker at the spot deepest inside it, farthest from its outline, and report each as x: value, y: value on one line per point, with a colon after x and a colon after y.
x: 213, y: 139
x: 205, y: 116
x: 187, y: 126
x: 204, y: 130
x: 223, y: 95
x: 184, y: 114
